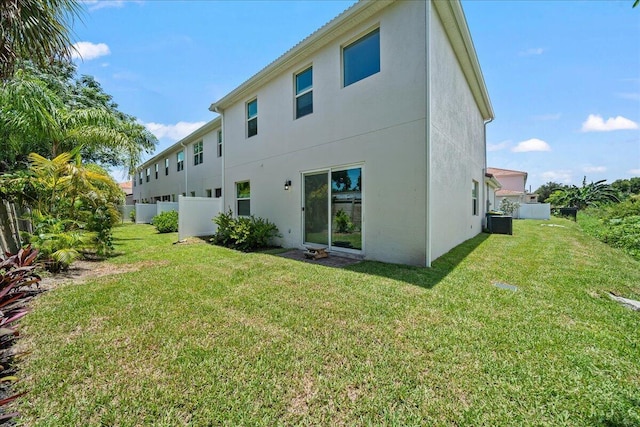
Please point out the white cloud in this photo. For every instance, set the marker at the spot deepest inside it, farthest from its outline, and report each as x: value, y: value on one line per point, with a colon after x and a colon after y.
x: 533, y: 144
x: 102, y: 4
x: 594, y: 169
x: 595, y: 123
x: 88, y: 50
x: 563, y: 176
x: 635, y: 172
x: 499, y: 146
x: 532, y: 51
x: 173, y: 132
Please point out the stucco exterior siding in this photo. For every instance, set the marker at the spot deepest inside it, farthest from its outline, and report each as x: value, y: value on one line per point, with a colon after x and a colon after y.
x: 377, y: 123
x: 457, y: 147
x: 196, y: 178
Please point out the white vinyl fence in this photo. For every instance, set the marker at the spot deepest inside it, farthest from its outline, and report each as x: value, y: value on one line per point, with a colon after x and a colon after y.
x: 167, y: 207
x: 534, y: 211
x: 125, y: 211
x: 196, y: 216
x: 145, y: 212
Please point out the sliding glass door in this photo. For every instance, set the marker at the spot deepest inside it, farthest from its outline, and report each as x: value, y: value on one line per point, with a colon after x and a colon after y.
x: 333, y: 208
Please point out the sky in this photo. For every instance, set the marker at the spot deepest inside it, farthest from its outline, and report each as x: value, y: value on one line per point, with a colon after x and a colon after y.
x: 563, y: 76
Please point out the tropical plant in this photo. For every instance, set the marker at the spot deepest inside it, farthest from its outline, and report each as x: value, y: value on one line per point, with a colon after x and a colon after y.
x: 35, y: 29
x: 50, y: 112
x: 244, y: 233
x: 166, y: 222
x: 17, y: 276
x: 592, y: 194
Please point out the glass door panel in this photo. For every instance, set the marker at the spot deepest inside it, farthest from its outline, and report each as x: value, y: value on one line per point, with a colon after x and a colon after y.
x: 316, y: 208
x: 346, y: 208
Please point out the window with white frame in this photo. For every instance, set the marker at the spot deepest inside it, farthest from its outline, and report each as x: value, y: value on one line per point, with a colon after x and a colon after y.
x: 304, y: 93
x: 148, y: 173
x: 157, y: 171
x: 180, y: 160
x: 252, y: 118
x: 219, y: 143
x: 361, y: 58
x: 197, y: 153
x: 166, y: 166
x: 243, y: 198
x: 474, y: 197
x: 140, y: 177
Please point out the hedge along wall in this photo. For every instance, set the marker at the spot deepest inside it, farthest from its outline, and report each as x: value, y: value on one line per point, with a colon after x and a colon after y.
x: 196, y: 216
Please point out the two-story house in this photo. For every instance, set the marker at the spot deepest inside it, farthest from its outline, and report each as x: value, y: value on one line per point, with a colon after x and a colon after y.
x: 368, y: 137
x: 190, y: 167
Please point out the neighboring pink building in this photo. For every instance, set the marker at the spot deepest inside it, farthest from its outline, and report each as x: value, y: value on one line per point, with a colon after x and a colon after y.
x: 513, y: 185
x: 127, y: 187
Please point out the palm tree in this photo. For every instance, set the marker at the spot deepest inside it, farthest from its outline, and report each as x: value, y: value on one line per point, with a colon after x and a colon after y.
x: 592, y: 194
x: 37, y: 30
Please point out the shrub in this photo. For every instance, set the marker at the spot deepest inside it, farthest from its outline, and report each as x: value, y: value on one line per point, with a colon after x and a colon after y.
x: 166, y: 222
x: 243, y: 233
x: 343, y: 222
x: 132, y: 215
x: 509, y: 207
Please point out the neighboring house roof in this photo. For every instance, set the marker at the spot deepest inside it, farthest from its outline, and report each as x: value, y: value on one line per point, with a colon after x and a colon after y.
x: 454, y: 23
x: 504, y: 172
x: 198, y: 133
x: 127, y: 187
x: 506, y: 193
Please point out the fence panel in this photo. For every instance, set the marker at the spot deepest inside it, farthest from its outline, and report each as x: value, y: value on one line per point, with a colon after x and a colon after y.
x: 534, y: 211
x: 145, y: 212
x: 196, y: 216
x: 166, y: 207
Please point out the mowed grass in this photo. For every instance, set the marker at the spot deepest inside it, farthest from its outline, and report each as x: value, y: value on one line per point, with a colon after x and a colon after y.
x: 202, y: 335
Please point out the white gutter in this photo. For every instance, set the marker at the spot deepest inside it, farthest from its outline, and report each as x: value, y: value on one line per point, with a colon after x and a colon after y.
x: 186, y: 182
x: 224, y: 150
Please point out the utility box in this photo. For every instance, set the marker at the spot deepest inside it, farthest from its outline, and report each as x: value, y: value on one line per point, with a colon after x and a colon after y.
x: 500, y: 224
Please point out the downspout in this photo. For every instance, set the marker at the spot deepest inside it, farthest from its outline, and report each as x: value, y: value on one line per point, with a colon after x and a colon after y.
x: 224, y: 150
x: 484, y: 172
x: 186, y: 182
x: 429, y: 221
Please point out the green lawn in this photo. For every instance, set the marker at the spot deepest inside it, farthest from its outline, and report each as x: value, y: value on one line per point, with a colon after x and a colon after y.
x: 203, y: 335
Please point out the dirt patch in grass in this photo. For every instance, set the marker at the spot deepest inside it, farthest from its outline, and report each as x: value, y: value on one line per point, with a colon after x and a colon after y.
x: 81, y: 271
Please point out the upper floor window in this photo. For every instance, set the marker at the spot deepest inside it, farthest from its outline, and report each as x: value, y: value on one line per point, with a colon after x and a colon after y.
x: 252, y: 118
x: 218, y: 193
x: 180, y: 160
x: 148, y: 173
x: 304, y: 93
x: 140, y: 177
x: 197, y: 153
x: 219, y: 143
x: 156, y: 171
x: 166, y: 166
x: 361, y: 58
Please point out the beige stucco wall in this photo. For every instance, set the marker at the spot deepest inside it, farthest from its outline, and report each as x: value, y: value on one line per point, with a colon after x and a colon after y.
x: 378, y: 122
x: 457, y: 148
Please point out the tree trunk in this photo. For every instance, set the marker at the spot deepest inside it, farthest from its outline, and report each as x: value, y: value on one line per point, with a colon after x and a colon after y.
x: 9, y: 238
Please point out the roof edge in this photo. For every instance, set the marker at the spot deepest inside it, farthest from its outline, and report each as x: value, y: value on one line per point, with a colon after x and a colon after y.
x: 460, y: 38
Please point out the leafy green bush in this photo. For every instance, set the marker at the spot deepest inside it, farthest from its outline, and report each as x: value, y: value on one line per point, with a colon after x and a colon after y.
x: 243, y: 233
x: 617, y: 224
x: 132, y: 215
x: 166, y: 222
x: 343, y: 222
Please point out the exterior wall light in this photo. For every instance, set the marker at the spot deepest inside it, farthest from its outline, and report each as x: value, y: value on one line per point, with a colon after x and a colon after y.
x: 287, y: 184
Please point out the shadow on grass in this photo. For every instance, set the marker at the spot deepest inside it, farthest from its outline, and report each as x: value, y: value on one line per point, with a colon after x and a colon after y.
x: 422, y: 276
